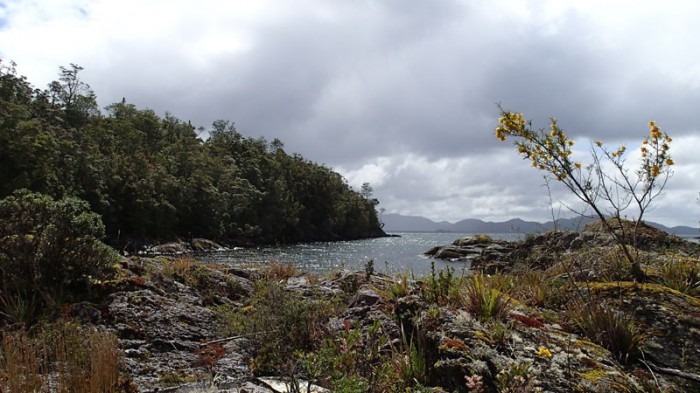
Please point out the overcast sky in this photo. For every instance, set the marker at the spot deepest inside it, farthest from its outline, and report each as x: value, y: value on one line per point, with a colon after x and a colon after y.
x: 400, y: 94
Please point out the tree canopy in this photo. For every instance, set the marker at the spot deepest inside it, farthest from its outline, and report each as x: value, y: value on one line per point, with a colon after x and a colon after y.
x: 152, y: 178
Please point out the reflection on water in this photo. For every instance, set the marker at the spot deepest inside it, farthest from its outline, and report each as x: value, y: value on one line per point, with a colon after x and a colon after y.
x: 390, y: 254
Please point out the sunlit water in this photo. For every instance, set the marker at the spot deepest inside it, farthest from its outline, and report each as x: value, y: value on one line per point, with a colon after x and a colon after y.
x: 390, y: 254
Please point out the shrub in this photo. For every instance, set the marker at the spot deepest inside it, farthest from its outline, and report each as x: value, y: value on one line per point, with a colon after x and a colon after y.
x: 279, y: 323
x: 49, y: 247
x: 442, y: 288
x: 606, y: 182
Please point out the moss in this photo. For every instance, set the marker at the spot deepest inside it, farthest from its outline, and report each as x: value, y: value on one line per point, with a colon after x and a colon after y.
x: 482, y: 238
x: 594, y: 375
x: 591, y: 347
x: 636, y: 287
x: 175, y: 377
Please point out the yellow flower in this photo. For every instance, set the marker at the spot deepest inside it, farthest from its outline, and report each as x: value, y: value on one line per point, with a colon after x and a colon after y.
x: 577, y: 165
x: 655, y: 170
x: 544, y: 352
x: 599, y: 143
x: 570, y: 142
x: 669, y: 162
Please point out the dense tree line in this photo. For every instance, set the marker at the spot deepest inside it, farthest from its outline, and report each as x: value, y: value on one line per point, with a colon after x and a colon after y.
x: 152, y: 178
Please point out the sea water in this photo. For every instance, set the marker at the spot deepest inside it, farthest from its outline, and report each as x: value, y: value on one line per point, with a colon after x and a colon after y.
x: 391, y: 255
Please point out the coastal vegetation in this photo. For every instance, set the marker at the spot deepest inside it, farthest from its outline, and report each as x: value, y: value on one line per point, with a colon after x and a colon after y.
x: 555, y: 316
x: 154, y: 179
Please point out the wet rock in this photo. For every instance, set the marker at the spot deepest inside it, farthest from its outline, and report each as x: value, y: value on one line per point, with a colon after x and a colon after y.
x: 173, y: 248
x: 482, y: 253
x: 198, y: 244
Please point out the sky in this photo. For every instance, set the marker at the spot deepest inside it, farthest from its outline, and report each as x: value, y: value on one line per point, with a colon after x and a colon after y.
x: 400, y: 94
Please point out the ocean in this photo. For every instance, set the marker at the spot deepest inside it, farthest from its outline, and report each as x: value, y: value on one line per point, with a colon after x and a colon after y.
x: 391, y: 255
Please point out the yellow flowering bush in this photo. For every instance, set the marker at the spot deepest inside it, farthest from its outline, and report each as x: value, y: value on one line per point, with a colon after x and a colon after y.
x: 607, y: 192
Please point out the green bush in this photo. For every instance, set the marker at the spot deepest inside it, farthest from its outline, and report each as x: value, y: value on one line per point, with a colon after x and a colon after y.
x: 50, y: 248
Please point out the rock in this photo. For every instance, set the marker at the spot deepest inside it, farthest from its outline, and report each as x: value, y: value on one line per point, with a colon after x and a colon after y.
x: 161, y: 324
x: 199, y: 244
x: 451, y: 253
x: 173, y: 248
x: 365, y: 297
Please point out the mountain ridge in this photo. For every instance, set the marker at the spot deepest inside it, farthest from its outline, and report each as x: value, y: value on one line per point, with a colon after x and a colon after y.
x: 399, y: 223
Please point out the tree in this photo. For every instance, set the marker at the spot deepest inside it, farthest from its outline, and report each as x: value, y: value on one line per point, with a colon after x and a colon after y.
x: 366, y: 190
x: 74, y: 96
x: 605, y: 185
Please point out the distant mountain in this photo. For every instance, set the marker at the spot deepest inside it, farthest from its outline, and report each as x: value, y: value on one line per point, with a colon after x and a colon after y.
x: 399, y: 223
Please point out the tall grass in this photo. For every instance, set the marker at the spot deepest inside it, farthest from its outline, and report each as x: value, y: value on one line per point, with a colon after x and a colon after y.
x: 682, y: 274
x: 610, y: 327
x: 62, y: 357
x: 484, y: 300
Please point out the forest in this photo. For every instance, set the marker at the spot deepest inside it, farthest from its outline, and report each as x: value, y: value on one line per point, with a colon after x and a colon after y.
x: 154, y: 179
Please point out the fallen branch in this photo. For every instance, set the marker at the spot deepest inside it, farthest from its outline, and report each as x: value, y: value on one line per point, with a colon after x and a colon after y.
x: 674, y: 372
x: 219, y: 341
x: 223, y: 340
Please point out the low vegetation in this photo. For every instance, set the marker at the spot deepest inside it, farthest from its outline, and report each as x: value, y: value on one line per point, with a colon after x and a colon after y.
x: 61, y: 357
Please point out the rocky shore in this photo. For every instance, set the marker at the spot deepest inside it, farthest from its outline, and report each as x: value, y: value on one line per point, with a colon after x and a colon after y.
x: 188, y: 327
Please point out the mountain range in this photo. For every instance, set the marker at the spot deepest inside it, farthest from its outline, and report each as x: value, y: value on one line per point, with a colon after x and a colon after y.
x: 399, y: 223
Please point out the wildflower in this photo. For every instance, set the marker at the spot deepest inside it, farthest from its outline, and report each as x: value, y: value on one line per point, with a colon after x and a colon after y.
x: 669, y: 162
x: 599, y: 143
x: 655, y: 170
x: 577, y: 165
x: 544, y: 352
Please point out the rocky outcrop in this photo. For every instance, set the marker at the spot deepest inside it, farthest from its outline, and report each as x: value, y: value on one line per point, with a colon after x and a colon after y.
x: 478, y: 250
x: 164, y: 312
x: 182, y: 247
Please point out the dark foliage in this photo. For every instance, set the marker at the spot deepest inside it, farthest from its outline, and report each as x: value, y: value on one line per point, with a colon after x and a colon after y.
x: 48, y: 249
x: 153, y: 178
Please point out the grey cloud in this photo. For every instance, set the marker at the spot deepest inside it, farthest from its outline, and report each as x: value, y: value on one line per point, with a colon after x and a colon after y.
x: 346, y: 82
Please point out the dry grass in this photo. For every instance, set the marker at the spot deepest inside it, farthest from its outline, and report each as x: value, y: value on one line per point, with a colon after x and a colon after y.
x: 179, y: 268
x: 275, y: 270
x: 62, y: 357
